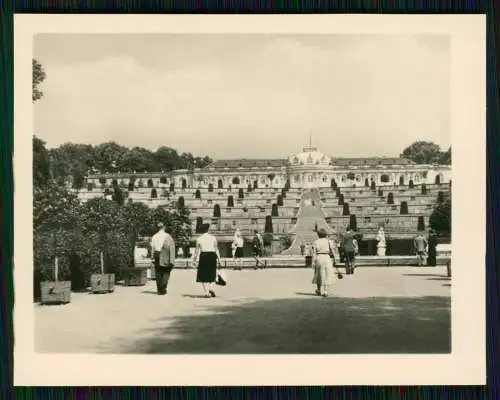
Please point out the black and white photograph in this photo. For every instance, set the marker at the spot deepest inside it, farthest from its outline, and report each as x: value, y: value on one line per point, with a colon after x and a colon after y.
x: 262, y: 192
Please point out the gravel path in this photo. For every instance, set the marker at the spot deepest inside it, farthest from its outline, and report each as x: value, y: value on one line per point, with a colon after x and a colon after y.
x: 378, y: 310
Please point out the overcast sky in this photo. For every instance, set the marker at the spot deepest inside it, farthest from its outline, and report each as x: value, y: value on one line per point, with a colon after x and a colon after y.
x: 232, y: 96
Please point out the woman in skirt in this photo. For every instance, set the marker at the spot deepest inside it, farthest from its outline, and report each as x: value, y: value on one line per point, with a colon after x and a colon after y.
x: 207, y: 258
x: 322, y: 263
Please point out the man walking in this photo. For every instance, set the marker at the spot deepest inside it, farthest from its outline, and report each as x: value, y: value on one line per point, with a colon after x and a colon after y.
x: 349, y: 251
x: 257, y: 245
x: 420, y: 249
x: 163, y: 249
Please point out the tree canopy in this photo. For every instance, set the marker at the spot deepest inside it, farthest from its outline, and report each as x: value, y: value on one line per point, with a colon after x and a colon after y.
x: 423, y: 152
x: 71, y: 162
x: 38, y: 76
x: 440, y: 219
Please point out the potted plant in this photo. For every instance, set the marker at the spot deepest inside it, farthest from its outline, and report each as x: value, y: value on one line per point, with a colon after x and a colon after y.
x: 102, y: 282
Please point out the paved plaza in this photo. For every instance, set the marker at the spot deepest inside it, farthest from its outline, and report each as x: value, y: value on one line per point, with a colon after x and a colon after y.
x: 377, y: 310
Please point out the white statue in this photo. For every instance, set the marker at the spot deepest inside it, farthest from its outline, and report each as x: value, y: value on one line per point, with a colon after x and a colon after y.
x: 381, y: 245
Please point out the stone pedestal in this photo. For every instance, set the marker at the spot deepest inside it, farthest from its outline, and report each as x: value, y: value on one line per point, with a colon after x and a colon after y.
x: 381, y: 251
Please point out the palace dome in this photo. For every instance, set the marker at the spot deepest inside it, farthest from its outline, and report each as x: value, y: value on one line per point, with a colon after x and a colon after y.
x: 309, y: 156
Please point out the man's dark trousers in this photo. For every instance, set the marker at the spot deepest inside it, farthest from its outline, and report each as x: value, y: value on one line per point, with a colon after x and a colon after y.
x: 162, y: 274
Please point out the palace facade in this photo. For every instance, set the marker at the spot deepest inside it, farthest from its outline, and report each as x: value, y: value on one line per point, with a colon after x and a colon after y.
x: 308, y: 169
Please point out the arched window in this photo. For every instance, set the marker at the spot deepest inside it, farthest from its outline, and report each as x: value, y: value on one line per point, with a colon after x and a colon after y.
x: 236, y: 180
x: 384, y: 178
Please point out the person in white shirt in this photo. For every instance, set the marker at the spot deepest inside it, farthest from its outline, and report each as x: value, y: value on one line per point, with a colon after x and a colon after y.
x: 163, y: 251
x: 206, y: 258
x: 237, y: 249
x: 322, y: 264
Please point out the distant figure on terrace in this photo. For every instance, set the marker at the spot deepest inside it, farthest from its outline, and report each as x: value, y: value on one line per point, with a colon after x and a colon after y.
x: 237, y: 249
x: 257, y: 248
x: 323, y: 264
x: 431, y: 244
x: 381, y: 245
x: 302, y: 249
x: 309, y: 255
x: 421, y: 249
x: 163, y: 249
x: 206, y: 258
x: 350, y: 249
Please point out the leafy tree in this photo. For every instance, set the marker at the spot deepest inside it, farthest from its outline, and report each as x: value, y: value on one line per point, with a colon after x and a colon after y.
x: 422, y: 152
x: 440, y: 219
x: 109, y: 155
x: 38, y: 76
x: 445, y: 158
x: 41, y: 163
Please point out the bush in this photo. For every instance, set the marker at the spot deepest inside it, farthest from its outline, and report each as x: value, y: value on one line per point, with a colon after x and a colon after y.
x: 390, y: 198
x: 230, y: 201
x: 424, y: 189
x: 117, y: 196
x: 345, y: 209
x: 341, y: 199
x: 241, y: 194
x: 267, y: 238
x: 403, y: 210
x: 440, y: 219
x: 197, y: 194
x: 154, y: 194
x: 130, y: 186
x: 274, y: 210
x: 353, y: 223
x: 102, y: 181
x: 216, y: 211
x: 440, y: 197
x: 268, y: 228
x: 279, y: 200
x: 180, y: 202
x: 286, y: 242
x: 199, y: 223
x: 421, y: 223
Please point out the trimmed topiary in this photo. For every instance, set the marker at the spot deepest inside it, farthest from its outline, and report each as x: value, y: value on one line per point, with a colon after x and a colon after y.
x: 403, y: 210
x: 274, y: 210
x: 345, y: 209
x: 390, y: 198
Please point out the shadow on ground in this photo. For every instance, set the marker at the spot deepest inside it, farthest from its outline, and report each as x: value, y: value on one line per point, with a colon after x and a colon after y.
x: 305, y: 326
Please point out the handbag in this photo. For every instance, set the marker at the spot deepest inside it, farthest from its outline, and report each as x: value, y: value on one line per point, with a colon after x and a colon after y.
x: 221, y: 279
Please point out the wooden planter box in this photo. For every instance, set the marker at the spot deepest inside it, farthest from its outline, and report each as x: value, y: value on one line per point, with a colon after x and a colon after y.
x: 55, y: 292
x: 135, y: 276
x: 102, y: 283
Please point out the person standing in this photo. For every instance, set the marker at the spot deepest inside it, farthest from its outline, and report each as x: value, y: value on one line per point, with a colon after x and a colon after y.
x: 257, y: 246
x: 322, y: 263
x: 432, y: 244
x: 237, y: 249
x: 349, y: 251
x: 420, y: 248
x: 163, y: 249
x: 206, y: 258
x: 302, y: 249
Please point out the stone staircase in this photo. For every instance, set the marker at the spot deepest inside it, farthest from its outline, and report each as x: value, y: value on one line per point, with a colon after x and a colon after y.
x: 310, y: 216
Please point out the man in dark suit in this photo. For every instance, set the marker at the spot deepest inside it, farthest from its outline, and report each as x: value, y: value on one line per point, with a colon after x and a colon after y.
x: 349, y: 251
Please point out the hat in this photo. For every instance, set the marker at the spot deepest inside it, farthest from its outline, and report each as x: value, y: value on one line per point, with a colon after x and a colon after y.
x: 160, y: 225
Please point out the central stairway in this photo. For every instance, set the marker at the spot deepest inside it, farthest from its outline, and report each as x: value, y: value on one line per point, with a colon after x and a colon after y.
x: 310, y: 215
